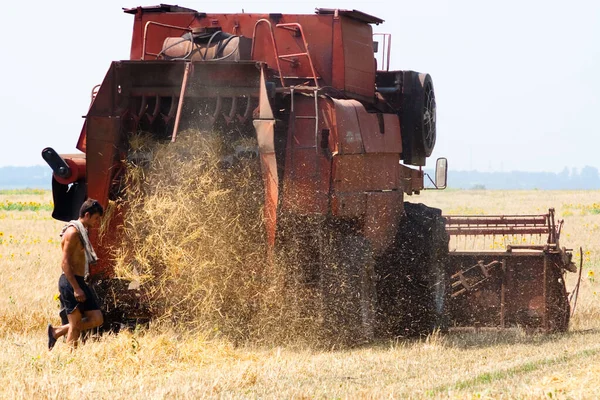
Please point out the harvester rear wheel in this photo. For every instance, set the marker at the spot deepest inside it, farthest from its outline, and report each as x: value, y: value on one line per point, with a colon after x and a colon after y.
x: 412, y: 276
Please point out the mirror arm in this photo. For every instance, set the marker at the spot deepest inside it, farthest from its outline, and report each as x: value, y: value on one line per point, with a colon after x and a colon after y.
x: 433, y: 183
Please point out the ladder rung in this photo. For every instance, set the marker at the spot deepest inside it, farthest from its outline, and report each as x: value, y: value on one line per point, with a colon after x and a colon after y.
x: 300, y: 77
x: 293, y: 55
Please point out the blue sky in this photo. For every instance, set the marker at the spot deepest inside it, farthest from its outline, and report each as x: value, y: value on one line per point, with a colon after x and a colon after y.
x: 517, y: 82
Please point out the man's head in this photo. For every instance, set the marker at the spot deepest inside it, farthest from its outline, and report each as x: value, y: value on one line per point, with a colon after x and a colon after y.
x: 90, y: 212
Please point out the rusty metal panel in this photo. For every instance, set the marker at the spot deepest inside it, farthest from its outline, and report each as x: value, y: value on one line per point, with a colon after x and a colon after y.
x: 317, y: 28
x: 354, y: 14
x: 349, y: 205
x: 346, y: 128
x: 163, y: 78
x: 307, y: 165
x: 105, y: 245
x: 101, y: 155
x: 319, y: 36
x: 264, y: 133
x: 108, y: 94
x: 338, y: 70
x: 159, y: 8
x: 374, y: 140
x: 305, y: 191
x: 82, y: 141
x: 100, y: 138
x: 340, y: 46
x: 519, y: 288
x: 358, y: 58
x: 410, y: 180
x: 365, y: 172
x: 304, y: 130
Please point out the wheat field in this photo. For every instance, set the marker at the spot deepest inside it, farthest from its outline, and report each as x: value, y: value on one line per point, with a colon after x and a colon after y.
x: 164, y: 362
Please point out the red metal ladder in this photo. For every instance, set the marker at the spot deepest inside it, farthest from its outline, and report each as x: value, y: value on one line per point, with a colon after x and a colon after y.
x: 315, y: 118
x: 297, y: 28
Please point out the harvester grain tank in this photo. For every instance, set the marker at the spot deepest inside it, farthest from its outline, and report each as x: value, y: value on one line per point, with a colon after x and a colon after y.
x: 341, y: 140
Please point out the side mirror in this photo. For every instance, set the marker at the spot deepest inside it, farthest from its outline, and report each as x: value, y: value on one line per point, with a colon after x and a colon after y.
x: 441, y: 173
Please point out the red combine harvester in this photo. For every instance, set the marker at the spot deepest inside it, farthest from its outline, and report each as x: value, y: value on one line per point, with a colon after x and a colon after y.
x: 341, y: 140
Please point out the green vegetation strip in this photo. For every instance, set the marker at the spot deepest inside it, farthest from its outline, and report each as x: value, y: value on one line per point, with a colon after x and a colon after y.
x: 584, y: 209
x: 25, y: 206
x: 489, y: 377
x: 38, y: 192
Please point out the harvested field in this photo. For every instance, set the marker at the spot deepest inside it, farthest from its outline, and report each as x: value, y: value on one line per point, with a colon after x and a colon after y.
x: 165, y: 361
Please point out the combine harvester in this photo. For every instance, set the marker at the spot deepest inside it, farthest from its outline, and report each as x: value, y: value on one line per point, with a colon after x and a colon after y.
x: 341, y: 140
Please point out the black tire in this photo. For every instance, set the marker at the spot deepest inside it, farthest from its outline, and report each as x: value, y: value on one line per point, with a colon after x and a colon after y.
x: 417, y: 117
x: 412, y: 287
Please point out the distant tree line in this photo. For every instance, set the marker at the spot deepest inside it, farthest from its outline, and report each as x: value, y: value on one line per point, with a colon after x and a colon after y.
x: 36, y: 177
x: 586, y: 178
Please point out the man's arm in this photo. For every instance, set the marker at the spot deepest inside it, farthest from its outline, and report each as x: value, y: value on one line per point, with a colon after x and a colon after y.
x: 70, y: 246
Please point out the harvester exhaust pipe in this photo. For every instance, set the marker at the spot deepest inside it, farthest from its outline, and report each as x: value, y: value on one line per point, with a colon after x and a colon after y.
x: 56, y: 162
x: 65, y: 170
x: 69, y: 188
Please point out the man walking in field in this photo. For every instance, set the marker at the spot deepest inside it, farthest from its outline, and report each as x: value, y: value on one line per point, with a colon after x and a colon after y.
x: 76, y: 298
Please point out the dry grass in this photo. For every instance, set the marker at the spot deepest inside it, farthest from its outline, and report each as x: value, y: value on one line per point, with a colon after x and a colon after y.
x: 193, y: 234
x: 194, y: 239
x: 162, y: 363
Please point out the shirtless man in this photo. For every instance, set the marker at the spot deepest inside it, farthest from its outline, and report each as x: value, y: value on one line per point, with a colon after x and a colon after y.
x: 75, y: 296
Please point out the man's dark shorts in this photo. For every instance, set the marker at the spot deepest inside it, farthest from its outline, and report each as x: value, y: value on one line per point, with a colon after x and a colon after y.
x: 67, y: 296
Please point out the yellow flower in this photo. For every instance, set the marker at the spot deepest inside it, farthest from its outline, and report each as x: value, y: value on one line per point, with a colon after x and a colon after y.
x: 56, y: 297
x: 1, y: 234
x: 590, y: 273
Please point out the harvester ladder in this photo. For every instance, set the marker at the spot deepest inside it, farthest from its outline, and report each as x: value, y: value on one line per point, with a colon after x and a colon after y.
x: 315, y: 118
x: 291, y: 58
x: 470, y: 279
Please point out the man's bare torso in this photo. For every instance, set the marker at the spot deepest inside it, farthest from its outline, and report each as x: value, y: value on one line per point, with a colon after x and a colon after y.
x: 75, y: 253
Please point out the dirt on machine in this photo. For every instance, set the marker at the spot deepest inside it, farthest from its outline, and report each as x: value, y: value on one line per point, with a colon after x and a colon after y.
x: 340, y: 140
